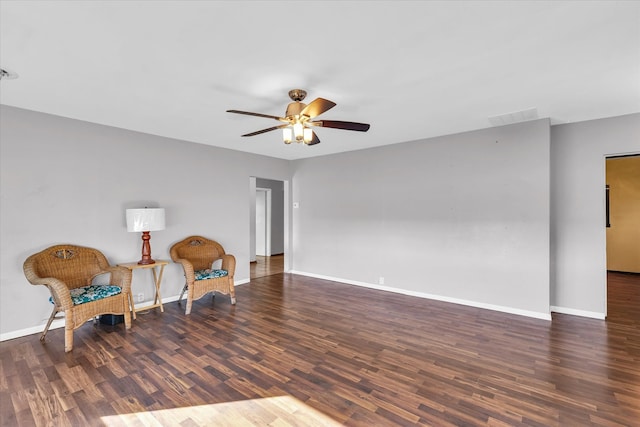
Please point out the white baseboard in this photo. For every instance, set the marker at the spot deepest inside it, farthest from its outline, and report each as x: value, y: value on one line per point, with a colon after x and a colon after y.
x: 503, y: 309
x: 59, y: 323
x: 574, y: 312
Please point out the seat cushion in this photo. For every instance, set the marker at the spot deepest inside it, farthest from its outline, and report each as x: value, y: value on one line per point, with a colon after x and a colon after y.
x: 93, y: 293
x: 210, y: 274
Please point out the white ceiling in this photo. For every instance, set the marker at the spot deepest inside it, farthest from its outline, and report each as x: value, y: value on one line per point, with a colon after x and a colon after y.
x: 412, y: 69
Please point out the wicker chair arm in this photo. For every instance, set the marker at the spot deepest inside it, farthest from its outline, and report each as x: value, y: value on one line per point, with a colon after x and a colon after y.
x: 189, y: 273
x: 120, y: 276
x: 58, y: 289
x: 229, y: 263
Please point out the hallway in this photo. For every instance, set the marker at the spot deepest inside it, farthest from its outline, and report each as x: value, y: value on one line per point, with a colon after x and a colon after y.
x: 623, y: 297
x: 266, y: 266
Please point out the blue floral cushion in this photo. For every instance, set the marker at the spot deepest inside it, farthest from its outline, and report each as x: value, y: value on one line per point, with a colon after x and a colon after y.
x: 210, y: 274
x: 92, y: 293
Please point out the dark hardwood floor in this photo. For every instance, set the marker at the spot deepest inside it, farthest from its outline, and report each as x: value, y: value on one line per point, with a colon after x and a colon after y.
x: 299, y: 351
x: 266, y: 266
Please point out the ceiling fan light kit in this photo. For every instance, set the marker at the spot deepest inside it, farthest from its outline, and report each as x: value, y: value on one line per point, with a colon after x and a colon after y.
x: 298, y: 119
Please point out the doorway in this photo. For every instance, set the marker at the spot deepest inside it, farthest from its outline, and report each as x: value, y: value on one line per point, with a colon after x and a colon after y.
x: 268, y: 226
x: 622, y: 204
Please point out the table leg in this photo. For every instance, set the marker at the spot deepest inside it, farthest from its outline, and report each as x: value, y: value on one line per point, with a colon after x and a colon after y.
x: 157, y: 278
x: 133, y: 307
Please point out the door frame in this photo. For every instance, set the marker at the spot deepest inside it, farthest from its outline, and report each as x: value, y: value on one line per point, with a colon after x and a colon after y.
x: 267, y: 220
x: 606, y: 211
x: 287, y: 220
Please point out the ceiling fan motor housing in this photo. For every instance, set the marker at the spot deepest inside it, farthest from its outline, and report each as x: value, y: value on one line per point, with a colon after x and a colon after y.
x: 297, y: 94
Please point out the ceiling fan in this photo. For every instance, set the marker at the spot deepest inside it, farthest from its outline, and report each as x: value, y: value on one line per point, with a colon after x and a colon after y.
x: 298, y: 119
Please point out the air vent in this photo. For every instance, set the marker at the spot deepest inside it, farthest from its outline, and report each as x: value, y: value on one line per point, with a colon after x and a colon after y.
x: 515, y: 117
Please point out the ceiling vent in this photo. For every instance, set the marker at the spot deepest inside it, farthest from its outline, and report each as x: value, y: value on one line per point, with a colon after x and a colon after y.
x: 515, y: 117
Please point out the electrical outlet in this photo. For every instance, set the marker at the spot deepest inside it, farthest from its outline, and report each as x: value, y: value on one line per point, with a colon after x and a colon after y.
x: 381, y: 280
x: 140, y: 297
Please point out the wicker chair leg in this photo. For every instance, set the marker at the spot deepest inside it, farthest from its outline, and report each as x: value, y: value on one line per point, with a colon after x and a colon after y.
x: 127, y: 315
x: 46, y: 328
x: 190, y: 294
x: 232, y: 292
x: 182, y: 293
x: 68, y: 336
x: 127, y: 320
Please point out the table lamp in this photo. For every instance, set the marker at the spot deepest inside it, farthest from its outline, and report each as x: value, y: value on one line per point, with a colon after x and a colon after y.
x: 145, y: 220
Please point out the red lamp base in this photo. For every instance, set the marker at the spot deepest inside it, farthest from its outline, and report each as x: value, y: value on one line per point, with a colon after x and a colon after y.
x: 146, y: 250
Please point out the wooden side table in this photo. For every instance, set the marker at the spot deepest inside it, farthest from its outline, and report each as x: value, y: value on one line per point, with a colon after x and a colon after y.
x: 157, y: 279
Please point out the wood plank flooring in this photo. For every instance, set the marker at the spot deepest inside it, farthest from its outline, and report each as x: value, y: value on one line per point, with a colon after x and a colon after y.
x: 297, y: 351
x: 266, y: 266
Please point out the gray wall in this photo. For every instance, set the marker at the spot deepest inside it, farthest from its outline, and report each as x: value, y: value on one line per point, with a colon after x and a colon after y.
x: 578, y: 250
x: 68, y: 181
x: 462, y: 217
x: 277, y: 213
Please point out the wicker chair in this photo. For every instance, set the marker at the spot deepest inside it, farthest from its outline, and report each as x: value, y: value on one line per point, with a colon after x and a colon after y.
x: 68, y: 272
x: 197, y: 254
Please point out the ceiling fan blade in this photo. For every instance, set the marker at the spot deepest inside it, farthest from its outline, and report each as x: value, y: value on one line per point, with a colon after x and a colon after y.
x: 315, y: 140
x: 258, y: 132
x: 337, y: 124
x: 317, y: 107
x: 248, y: 113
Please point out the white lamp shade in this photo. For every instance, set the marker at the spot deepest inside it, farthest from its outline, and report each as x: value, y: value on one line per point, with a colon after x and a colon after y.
x: 145, y: 219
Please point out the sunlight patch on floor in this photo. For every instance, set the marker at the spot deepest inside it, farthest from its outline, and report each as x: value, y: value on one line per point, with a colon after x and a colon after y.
x: 273, y: 411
